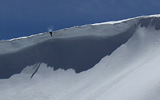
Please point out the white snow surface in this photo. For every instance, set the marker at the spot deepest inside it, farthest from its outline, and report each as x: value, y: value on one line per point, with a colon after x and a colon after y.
x: 131, y: 72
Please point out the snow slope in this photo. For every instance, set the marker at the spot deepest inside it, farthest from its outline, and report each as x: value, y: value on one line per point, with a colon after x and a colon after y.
x: 129, y: 72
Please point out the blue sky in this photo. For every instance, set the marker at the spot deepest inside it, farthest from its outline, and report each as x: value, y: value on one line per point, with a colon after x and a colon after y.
x: 26, y: 17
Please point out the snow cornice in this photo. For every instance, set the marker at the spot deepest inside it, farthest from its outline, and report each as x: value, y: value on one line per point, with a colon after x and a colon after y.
x: 105, y: 29
x: 103, y: 23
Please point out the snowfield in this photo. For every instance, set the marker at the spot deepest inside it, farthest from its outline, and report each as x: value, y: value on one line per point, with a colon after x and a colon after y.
x: 128, y: 67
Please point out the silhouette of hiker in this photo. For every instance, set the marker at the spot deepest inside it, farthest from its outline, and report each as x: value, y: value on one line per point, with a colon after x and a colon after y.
x: 50, y: 33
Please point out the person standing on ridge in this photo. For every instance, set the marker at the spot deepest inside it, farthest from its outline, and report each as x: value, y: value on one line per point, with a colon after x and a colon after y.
x: 51, y: 33
x: 50, y: 30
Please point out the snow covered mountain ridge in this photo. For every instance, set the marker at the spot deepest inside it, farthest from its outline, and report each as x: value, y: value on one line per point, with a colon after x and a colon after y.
x: 103, y: 61
x: 71, y: 32
x: 106, y: 37
x: 102, y: 29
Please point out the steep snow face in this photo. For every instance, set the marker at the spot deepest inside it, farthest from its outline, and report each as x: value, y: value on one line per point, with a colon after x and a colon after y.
x: 129, y: 72
x: 77, y: 48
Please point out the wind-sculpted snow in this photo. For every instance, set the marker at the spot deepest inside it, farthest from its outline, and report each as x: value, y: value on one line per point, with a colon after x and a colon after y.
x: 79, y: 48
x: 123, y: 66
x: 155, y: 22
x: 78, y: 53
